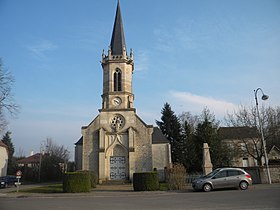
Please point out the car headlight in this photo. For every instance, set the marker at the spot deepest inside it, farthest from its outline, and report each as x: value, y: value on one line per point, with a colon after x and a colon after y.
x: 197, y: 181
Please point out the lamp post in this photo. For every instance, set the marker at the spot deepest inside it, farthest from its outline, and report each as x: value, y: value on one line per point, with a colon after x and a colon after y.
x: 264, y: 97
x: 40, y: 164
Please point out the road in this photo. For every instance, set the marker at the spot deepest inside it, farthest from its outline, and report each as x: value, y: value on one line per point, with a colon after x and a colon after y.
x: 262, y: 197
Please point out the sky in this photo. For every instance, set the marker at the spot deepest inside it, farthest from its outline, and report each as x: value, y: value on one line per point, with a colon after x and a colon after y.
x: 190, y: 53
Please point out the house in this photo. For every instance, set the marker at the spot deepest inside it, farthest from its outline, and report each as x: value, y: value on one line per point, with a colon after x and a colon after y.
x: 274, y: 155
x: 242, y: 141
x: 118, y: 143
x: 4, y: 154
x: 31, y: 161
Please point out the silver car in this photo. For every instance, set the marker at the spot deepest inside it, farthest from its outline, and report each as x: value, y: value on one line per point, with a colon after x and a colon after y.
x: 223, y: 178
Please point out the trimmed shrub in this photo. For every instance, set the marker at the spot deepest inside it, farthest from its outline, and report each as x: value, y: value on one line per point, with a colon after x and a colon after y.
x: 75, y: 182
x: 93, y: 177
x: 145, y: 181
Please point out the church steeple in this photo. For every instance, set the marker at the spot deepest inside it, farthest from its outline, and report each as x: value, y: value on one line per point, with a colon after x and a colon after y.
x: 118, y: 46
x: 117, y: 71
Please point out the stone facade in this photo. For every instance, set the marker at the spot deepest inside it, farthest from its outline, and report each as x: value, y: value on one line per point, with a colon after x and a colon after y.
x: 240, y: 140
x: 117, y: 143
x: 3, y: 159
x: 101, y: 142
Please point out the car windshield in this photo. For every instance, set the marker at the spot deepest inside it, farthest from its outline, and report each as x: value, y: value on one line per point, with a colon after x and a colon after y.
x: 212, y: 173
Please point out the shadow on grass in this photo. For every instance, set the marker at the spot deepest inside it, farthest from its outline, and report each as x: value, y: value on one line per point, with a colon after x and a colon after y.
x: 55, y: 188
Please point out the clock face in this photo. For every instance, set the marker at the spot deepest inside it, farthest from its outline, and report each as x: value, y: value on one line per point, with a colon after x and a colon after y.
x: 117, y: 101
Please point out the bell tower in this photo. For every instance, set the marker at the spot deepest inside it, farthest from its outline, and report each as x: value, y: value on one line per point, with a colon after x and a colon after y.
x: 117, y: 70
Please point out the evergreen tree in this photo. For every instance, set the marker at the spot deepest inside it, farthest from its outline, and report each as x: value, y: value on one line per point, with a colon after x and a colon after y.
x: 171, y: 128
x: 190, y: 157
x: 11, y: 161
x: 207, y: 132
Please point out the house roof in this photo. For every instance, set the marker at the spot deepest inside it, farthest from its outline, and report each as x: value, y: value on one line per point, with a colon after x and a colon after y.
x: 31, y: 159
x: 275, y: 148
x: 158, y: 137
x: 118, y: 42
x: 238, y: 132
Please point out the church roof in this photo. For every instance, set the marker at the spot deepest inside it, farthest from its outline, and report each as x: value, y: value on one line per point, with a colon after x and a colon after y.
x: 158, y: 137
x: 80, y: 141
x: 238, y: 132
x: 118, y: 42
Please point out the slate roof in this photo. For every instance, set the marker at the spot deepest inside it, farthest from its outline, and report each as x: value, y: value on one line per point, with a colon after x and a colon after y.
x: 238, y: 132
x: 80, y: 141
x: 158, y: 137
x: 117, y: 40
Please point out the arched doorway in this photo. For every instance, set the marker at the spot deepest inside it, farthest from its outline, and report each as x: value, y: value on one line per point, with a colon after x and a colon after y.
x: 118, y: 164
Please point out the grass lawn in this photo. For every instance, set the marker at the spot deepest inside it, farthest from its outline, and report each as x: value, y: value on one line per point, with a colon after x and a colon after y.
x: 54, y: 188
x: 58, y: 188
x: 163, y: 186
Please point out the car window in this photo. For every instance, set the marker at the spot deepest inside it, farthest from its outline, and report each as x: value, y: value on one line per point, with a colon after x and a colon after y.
x: 233, y: 173
x: 221, y: 174
x: 212, y: 173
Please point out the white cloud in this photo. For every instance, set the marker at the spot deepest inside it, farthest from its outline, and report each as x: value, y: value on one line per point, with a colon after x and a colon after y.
x: 41, y: 47
x: 196, y: 103
x: 141, y: 61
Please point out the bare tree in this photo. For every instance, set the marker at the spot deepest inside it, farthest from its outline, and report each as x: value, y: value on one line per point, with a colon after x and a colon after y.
x: 246, y: 118
x: 7, y: 103
x: 53, y: 162
x: 56, y: 150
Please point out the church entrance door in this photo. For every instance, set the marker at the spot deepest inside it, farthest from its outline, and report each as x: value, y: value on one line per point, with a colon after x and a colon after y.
x: 117, y: 168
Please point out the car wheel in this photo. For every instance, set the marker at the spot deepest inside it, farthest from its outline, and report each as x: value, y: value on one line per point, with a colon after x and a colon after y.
x: 207, y: 187
x: 243, y: 185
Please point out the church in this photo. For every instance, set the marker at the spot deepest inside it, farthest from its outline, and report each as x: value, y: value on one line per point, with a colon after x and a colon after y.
x: 118, y: 143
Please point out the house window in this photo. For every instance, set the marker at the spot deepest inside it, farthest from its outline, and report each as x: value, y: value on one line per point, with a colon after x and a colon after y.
x: 243, y: 147
x: 245, y: 162
x: 118, y: 80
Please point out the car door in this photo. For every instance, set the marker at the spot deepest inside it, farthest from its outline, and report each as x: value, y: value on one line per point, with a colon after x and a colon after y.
x: 233, y: 178
x: 219, y: 180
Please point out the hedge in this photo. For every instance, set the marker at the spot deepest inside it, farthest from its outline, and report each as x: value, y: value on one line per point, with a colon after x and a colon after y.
x: 145, y: 181
x: 93, y: 177
x: 74, y: 182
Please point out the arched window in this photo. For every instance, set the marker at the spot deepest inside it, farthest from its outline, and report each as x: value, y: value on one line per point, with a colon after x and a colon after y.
x: 118, y: 80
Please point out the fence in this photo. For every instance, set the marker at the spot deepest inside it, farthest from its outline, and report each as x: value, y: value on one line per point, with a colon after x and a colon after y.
x: 191, y: 177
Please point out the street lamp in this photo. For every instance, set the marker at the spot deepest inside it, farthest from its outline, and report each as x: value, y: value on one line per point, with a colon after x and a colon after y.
x: 264, y: 97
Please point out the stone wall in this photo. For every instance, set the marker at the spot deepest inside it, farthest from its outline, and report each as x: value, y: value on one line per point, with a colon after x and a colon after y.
x: 274, y: 174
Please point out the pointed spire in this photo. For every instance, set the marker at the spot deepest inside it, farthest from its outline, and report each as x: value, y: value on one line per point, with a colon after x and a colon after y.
x: 118, y: 46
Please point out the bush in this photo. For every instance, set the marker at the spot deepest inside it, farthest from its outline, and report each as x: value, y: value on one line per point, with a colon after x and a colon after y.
x: 93, y: 177
x: 75, y: 182
x: 176, y: 177
x: 145, y: 181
